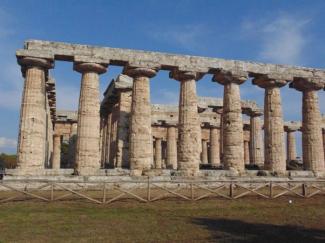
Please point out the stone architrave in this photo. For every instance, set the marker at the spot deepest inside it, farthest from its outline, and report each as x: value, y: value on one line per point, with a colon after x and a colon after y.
x: 158, y: 159
x: 56, y: 159
x: 312, y: 144
x: 256, y: 145
x: 214, y: 146
x: 274, y: 149
x: 171, y: 148
x: 189, y: 129
x: 232, y: 123
x: 88, y: 134
x: 140, y: 145
x: 204, y: 155
x: 31, y: 151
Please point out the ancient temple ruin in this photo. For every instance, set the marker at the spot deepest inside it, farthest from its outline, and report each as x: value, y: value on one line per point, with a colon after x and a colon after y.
x: 126, y: 131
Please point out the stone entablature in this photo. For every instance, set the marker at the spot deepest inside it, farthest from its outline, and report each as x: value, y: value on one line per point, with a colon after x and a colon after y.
x: 121, y: 57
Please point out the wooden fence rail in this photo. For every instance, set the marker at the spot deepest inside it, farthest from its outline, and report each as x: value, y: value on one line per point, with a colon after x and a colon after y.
x: 151, y: 190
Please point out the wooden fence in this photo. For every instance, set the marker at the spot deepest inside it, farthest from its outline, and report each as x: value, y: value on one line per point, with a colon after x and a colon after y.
x: 151, y: 190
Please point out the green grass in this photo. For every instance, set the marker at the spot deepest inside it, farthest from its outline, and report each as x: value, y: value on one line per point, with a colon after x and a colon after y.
x: 217, y: 220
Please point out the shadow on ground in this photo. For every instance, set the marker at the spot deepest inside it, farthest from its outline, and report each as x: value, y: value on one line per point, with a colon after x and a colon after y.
x: 228, y: 230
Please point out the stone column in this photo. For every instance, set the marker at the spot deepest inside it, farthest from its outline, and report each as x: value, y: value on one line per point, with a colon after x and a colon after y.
x: 246, y: 131
x: 88, y: 134
x: 312, y: 141
x: 324, y: 140
x: 56, y: 159
x: 274, y: 148
x: 204, y: 157
x: 108, y: 139
x: 214, y: 146
x: 140, y: 146
x: 189, y: 129
x: 246, y: 152
x: 158, y: 153
x: 171, y: 148
x: 233, y: 138
x: 256, y: 146
x: 32, y: 130
x: 291, y: 143
x: 122, y: 148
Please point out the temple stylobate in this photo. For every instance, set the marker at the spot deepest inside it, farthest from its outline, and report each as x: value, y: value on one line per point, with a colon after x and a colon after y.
x: 125, y: 130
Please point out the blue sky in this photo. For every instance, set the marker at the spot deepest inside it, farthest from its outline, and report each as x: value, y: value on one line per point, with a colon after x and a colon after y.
x: 288, y: 32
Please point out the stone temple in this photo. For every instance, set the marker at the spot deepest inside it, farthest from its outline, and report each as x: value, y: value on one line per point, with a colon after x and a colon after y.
x: 200, y: 136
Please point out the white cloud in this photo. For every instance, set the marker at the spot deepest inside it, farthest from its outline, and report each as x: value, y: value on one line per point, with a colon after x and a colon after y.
x: 188, y: 36
x: 7, y: 142
x: 282, y: 39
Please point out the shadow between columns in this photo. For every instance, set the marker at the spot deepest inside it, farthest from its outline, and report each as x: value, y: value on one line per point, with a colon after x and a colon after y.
x: 228, y: 230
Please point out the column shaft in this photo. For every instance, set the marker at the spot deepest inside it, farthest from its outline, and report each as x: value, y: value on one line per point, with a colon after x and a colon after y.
x: 171, y: 148
x: 56, y: 159
x: 233, y: 140
x: 291, y: 146
x: 246, y: 152
x: 313, y: 154
x: 214, y: 147
x: 204, y: 155
x: 158, y: 153
x: 256, y: 141
x: 32, y: 130
x: 122, y: 153
x: 189, y: 132
x: 274, y: 131
x: 140, y: 128
x: 88, y: 133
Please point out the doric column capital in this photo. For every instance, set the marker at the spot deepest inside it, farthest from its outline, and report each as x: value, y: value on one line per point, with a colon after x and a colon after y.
x: 224, y: 77
x: 255, y: 113
x: 181, y: 75
x: 84, y: 67
x: 27, y: 62
x: 134, y: 72
x: 263, y: 81
x: 246, y: 127
x: 304, y: 84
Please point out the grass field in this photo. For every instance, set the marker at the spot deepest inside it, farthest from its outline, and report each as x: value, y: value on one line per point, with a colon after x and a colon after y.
x: 217, y: 220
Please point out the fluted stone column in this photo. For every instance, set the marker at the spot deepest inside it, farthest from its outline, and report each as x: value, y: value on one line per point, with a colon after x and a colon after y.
x: 122, y: 153
x: 32, y: 130
x: 214, y: 146
x: 256, y: 150
x: 204, y: 156
x: 108, y: 139
x: 158, y: 153
x: 88, y: 134
x: 171, y: 148
x: 291, y: 144
x: 246, y: 152
x: 324, y: 140
x: 312, y: 141
x: 189, y: 129
x: 233, y: 139
x: 274, y: 148
x: 56, y: 159
x: 140, y: 146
